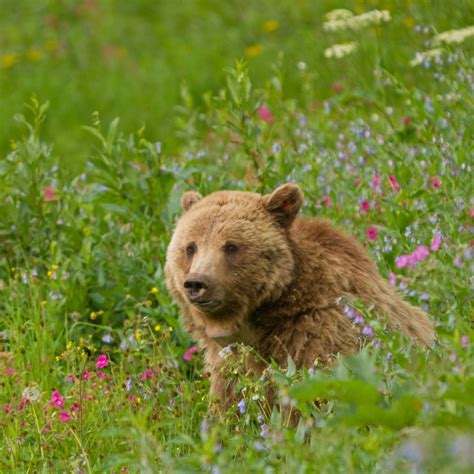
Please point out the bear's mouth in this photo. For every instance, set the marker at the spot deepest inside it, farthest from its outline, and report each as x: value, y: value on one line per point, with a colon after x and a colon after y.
x: 208, y: 304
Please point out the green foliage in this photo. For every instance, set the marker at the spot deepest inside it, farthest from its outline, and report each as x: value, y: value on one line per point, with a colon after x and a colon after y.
x: 84, y: 227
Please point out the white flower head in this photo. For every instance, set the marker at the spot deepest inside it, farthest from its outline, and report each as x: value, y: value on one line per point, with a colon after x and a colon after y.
x: 31, y: 393
x: 454, y: 36
x: 337, y: 51
x: 355, y: 22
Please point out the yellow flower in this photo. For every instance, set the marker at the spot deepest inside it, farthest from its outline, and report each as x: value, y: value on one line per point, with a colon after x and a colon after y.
x: 9, y: 60
x: 409, y: 22
x: 154, y: 291
x: 93, y: 315
x: 51, y: 45
x: 43, y: 302
x: 128, y: 297
x: 270, y: 25
x: 138, y: 334
x: 51, y: 275
x: 254, y: 50
x: 69, y: 345
x: 54, y: 267
x: 148, y: 303
x: 34, y: 55
x: 58, y: 358
x: 139, y: 400
x: 157, y: 328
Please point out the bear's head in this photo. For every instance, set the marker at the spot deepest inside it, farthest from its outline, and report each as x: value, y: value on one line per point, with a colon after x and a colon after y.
x: 229, y: 254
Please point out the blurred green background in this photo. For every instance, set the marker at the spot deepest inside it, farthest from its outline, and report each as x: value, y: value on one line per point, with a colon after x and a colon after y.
x: 131, y: 58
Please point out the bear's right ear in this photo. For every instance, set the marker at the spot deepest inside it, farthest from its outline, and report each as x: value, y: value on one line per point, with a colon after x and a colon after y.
x: 190, y: 198
x: 284, y: 203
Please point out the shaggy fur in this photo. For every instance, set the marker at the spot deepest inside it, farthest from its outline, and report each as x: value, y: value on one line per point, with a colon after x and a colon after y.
x: 245, y: 269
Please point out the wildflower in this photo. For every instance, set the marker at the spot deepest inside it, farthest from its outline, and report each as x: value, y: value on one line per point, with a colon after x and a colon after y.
x: 31, y: 393
x: 128, y: 385
x: 402, y: 261
x: 394, y: 183
x: 269, y: 26
x: 336, y: 87
x: 123, y: 346
x: 337, y: 51
x: 464, y: 341
x: 9, y: 60
x: 157, y: 327
x: 70, y: 378
x: 344, y: 19
x: 188, y: 355
x: 368, y: 331
x: 454, y: 36
x: 420, y: 253
x: 241, y: 406
x: 254, y: 50
x: 154, y: 291
x: 147, y: 374
x: 365, y: 206
x: 100, y: 374
x: 393, y: 279
x: 265, y: 114
x: 57, y: 400
x: 49, y: 194
x: 435, y: 182
x: 34, y: 55
x: 436, y: 243
x: 372, y: 233
x: 85, y: 375
x: 376, y: 182
x: 327, y: 200
x: 108, y: 339
x: 102, y: 361
x: 64, y: 417
x: 425, y: 56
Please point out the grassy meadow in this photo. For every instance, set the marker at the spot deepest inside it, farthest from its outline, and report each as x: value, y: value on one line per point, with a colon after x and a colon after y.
x: 110, y: 110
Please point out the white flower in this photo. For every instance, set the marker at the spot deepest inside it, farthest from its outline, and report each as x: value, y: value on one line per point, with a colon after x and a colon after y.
x: 31, y: 393
x: 355, y: 22
x: 454, y: 36
x: 423, y: 56
x: 340, y: 50
x: 338, y: 14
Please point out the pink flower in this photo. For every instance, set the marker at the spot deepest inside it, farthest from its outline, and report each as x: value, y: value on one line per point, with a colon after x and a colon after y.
x: 7, y: 407
x: 402, y: 261
x: 464, y: 341
x: 435, y: 182
x: 436, y: 243
x: 100, y: 374
x: 393, y: 279
x: 365, y: 206
x: 64, y: 417
x: 85, y: 375
x: 372, y: 233
x: 57, y: 400
x: 420, y: 253
x: 148, y: 374
x: 70, y: 378
x: 10, y: 371
x: 265, y: 114
x: 327, y: 200
x: 358, y: 182
x: 394, y: 183
x: 102, y: 362
x: 49, y: 194
x: 376, y: 182
x: 188, y: 355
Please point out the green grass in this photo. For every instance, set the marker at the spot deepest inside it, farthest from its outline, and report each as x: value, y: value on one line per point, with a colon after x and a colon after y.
x: 89, y: 202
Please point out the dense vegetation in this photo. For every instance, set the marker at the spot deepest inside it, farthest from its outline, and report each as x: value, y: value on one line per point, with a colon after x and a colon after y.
x: 372, y: 115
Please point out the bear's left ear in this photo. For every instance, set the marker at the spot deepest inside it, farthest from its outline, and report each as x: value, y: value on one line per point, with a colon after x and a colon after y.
x: 190, y: 198
x: 284, y: 203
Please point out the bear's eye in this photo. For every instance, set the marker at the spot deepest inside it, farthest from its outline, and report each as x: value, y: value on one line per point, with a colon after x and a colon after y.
x: 230, y: 248
x: 190, y: 250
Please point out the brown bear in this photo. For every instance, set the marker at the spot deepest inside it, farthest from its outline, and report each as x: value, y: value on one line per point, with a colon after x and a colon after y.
x: 245, y: 269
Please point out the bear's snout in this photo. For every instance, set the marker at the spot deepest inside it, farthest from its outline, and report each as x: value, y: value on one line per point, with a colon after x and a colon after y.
x: 196, y: 286
x: 199, y: 291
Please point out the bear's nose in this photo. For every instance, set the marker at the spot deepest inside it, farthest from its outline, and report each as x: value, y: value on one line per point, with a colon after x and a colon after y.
x: 196, y: 287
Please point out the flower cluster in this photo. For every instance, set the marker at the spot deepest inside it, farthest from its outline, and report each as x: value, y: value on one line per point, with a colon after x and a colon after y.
x: 338, y: 51
x: 338, y: 20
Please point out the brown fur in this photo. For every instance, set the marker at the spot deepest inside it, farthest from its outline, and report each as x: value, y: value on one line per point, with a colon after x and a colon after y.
x: 271, y: 281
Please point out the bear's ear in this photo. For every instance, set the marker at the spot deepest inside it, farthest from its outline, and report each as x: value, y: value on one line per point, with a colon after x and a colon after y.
x: 284, y: 203
x: 190, y: 198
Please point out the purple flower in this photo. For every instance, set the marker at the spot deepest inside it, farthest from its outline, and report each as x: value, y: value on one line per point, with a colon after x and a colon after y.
x: 464, y: 341
x: 241, y: 406
x: 368, y: 331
